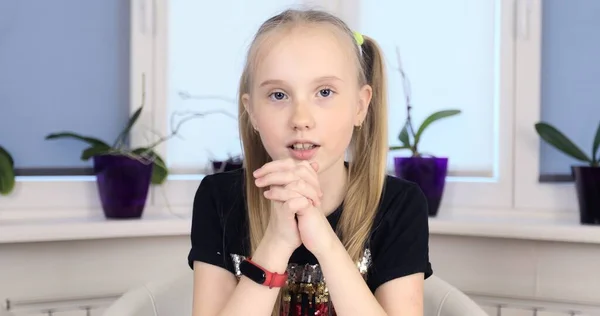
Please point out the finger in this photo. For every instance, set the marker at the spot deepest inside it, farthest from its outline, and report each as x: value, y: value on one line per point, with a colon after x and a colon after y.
x: 276, y: 165
x: 302, y: 170
x: 315, y: 166
x: 296, y: 204
x: 306, y: 190
x: 276, y: 178
x: 281, y: 194
x: 306, y: 173
x: 306, y: 210
x: 289, y: 177
x: 277, y: 193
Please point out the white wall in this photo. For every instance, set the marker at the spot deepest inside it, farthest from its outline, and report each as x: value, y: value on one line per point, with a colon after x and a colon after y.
x: 82, y: 268
x: 511, y: 268
x: 504, y: 267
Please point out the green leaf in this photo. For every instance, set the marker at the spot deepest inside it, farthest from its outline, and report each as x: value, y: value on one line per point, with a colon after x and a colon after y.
x: 595, y: 158
x: 90, y: 140
x: 432, y: 118
x: 94, y: 151
x: 557, y: 139
x: 403, y: 137
x: 159, y: 169
x: 7, y: 172
x: 130, y: 124
x: 7, y: 154
x: 399, y: 147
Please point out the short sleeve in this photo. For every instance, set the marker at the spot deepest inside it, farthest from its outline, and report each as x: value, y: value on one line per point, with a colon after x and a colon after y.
x: 207, y: 242
x: 400, y: 247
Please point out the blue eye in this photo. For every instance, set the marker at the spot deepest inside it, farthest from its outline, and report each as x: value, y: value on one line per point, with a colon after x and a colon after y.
x: 325, y: 92
x: 277, y: 95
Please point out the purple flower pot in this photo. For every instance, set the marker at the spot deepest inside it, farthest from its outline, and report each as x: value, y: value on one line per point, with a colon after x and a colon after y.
x: 587, y: 184
x: 428, y: 173
x: 227, y: 165
x: 123, y: 185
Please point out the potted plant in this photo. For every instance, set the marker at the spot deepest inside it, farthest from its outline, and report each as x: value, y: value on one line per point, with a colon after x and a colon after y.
x: 427, y: 171
x: 587, y: 176
x: 7, y: 172
x: 231, y: 163
x: 123, y: 175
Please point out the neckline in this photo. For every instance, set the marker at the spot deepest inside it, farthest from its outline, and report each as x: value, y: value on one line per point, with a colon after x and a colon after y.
x: 336, y: 212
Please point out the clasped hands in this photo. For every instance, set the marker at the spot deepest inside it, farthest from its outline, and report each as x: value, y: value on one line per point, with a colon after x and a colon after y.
x: 295, y: 194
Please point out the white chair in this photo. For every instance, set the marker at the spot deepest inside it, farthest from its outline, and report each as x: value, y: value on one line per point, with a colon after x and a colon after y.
x: 174, y: 298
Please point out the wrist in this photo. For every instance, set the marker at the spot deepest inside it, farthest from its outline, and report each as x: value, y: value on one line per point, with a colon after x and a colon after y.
x: 272, y: 255
x: 329, y: 247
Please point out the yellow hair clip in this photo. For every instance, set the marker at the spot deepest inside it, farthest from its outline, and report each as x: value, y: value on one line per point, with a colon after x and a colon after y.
x: 358, y: 38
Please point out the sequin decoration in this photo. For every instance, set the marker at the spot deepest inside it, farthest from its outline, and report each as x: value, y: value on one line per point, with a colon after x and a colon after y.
x: 237, y: 259
x: 365, y: 262
x: 305, y: 292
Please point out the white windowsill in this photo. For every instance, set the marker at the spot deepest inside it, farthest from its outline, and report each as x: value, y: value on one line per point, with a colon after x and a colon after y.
x: 486, y: 224
x: 515, y: 224
x: 18, y: 231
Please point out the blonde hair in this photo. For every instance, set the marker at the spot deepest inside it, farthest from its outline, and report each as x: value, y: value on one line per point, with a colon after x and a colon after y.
x: 368, y: 148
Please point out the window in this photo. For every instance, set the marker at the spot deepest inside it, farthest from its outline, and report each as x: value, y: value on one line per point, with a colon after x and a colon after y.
x: 466, y: 65
x: 64, y: 67
x: 570, y: 68
x: 188, y: 62
x: 484, y: 58
x: 556, y: 83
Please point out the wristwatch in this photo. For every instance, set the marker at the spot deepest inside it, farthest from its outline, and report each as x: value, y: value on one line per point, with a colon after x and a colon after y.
x: 261, y: 275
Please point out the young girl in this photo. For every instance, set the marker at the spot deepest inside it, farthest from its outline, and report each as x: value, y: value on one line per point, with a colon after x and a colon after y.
x: 300, y: 230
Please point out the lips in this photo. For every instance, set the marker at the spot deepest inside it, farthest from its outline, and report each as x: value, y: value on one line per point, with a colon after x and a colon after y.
x: 302, y: 149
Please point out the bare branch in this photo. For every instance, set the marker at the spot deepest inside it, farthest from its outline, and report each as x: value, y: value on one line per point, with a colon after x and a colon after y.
x: 407, y: 92
x: 185, y: 95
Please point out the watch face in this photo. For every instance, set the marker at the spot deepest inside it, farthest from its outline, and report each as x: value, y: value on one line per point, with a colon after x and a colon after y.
x: 253, y: 272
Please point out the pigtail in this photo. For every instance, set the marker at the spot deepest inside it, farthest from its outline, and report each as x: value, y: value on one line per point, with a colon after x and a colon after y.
x: 369, y: 157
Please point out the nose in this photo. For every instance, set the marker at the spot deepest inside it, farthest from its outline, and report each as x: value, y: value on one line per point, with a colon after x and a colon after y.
x: 302, y: 118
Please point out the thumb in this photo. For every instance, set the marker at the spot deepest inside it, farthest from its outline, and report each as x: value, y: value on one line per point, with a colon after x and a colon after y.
x: 315, y: 166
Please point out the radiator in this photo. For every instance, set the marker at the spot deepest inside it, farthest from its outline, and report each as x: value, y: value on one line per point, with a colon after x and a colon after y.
x: 60, y: 306
x: 494, y: 305
x: 516, y: 306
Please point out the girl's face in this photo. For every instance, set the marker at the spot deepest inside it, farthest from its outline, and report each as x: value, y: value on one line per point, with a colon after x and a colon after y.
x: 306, y: 99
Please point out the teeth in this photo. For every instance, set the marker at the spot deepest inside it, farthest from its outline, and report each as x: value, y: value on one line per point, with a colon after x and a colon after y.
x: 303, y: 146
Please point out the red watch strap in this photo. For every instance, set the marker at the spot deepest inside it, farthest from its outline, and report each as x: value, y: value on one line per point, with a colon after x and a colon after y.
x: 272, y: 279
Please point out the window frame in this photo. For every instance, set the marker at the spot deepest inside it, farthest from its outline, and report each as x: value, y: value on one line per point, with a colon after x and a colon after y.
x: 516, y: 187
x: 460, y: 192
x: 54, y: 197
x: 531, y: 194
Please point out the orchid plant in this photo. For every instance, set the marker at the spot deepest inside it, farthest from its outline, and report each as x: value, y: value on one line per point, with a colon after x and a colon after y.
x: 409, y: 137
x: 144, y: 154
x: 7, y: 172
x: 558, y: 140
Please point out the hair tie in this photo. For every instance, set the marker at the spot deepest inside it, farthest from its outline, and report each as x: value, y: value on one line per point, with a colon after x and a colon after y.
x: 358, y: 38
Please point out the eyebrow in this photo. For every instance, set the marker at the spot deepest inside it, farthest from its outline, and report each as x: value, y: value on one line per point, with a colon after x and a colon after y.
x: 280, y: 82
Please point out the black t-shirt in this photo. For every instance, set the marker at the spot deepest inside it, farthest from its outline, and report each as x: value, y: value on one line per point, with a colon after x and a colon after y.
x: 398, y: 245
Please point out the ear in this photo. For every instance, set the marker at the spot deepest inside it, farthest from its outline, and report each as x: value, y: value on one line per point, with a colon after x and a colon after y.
x: 364, y: 100
x: 248, y: 108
